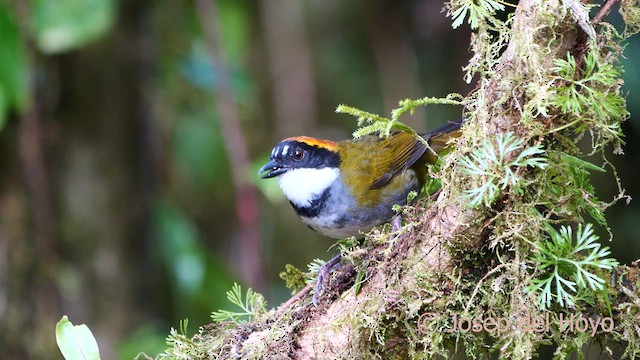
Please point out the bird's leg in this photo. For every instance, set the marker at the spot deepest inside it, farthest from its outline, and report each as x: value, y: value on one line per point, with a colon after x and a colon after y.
x: 396, y: 223
x: 323, y: 273
x: 325, y: 270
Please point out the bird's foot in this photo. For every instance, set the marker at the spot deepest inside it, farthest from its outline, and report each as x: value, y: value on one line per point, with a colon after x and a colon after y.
x: 396, y: 224
x: 323, y: 273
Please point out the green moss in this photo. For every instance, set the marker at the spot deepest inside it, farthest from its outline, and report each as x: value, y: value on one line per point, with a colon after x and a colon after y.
x: 294, y: 279
x: 630, y: 10
x: 627, y: 330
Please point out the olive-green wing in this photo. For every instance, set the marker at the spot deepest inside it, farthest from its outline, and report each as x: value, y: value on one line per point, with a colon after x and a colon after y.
x: 408, y: 150
x: 398, y: 152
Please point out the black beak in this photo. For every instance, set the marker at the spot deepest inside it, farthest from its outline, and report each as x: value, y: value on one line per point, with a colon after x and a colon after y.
x: 271, y: 169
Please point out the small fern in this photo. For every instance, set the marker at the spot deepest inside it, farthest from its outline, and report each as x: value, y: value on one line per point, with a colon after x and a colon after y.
x: 252, y: 306
x: 490, y: 165
x: 477, y: 11
x: 598, y: 84
x: 568, y: 271
x: 179, y: 343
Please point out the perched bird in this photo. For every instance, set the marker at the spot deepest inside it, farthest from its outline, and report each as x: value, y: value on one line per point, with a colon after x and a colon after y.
x: 340, y: 189
x: 343, y: 188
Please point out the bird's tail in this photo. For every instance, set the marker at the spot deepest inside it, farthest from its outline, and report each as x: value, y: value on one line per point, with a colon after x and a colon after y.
x: 438, y: 138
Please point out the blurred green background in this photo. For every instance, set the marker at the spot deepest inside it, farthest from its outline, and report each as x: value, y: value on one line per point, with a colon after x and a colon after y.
x: 132, y: 132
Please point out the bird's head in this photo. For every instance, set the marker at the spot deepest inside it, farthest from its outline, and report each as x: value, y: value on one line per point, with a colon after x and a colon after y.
x: 301, y: 152
x: 305, y: 167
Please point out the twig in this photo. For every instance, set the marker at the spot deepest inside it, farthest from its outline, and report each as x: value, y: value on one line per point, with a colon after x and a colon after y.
x: 305, y: 290
x: 606, y: 8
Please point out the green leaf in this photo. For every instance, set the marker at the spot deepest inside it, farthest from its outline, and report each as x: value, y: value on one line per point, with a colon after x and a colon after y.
x: 13, y: 66
x: 574, y: 161
x: 64, y: 25
x: 360, y: 278
x: 76, y: 341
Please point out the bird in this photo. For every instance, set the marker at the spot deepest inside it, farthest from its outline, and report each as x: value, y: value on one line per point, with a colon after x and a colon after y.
x: 345, y: 188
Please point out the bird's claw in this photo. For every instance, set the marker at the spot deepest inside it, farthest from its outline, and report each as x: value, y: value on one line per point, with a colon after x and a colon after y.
x: 323, y: 273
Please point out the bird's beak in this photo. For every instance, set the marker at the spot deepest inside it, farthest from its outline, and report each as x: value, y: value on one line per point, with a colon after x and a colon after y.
x: 271, y: 169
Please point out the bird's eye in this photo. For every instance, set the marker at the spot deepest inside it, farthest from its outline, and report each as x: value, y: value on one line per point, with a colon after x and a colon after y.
x: 298, y: 155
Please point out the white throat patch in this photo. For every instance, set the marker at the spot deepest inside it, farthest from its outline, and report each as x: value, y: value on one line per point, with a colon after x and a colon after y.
x: 302, y: 186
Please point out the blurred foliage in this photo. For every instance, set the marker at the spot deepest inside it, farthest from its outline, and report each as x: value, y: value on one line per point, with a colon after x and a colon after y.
x: 13, y: 66
x: 64, y: 25
x: 197, y: 145
x: 198, y: 276
x: 147, y: 339
x: 59, y: 26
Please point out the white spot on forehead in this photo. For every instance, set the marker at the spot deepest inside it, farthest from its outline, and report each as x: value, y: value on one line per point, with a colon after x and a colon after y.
x: 285, y: 150
x: 273, y: 152
x: 302, y: 186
